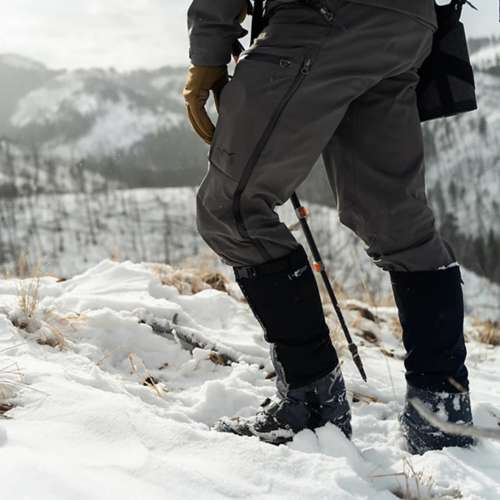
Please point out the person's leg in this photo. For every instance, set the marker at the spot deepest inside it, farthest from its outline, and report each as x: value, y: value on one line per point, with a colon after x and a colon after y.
x: 276, y: 117
x: 272, y: 127
x: 376, y: 161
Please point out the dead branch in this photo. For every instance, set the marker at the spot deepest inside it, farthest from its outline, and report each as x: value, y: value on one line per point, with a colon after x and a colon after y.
x: 188, y: 340
x: 455, y: 429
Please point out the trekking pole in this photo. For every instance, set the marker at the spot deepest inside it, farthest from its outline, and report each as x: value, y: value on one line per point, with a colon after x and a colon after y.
x: 318, y: 266
x: 302, y: 213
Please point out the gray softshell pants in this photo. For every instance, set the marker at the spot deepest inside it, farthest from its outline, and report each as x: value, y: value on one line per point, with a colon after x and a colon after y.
x: 344, y: 89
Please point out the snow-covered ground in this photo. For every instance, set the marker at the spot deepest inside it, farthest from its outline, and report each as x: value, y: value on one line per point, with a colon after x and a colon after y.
x: 105, y: 408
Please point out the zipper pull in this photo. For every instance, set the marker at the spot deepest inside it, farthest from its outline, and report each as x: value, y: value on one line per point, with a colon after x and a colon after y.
x: 306, y: 67
x: 327, y: 14
x: 298, y: 273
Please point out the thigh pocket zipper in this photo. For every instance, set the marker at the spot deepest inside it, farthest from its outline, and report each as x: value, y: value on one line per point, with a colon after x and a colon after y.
x: 261, y: 144
x: 283, y: 62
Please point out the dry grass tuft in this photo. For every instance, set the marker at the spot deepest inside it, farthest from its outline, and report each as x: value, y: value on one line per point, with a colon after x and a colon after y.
x: 215, y: 280
x: 10, y: 382
x: 489, y: 333
x: 395, y: 327
x: 145, y: 378
x: 45, y: 326
x: 217, y: 359
x: 42, y: 326
x: 362, y: 309
x: 4, y: 408
x: 189, y: 281
x: 416, y: 485
x: 29, y: 318
x: 24, y: 268
x: 28, y: 297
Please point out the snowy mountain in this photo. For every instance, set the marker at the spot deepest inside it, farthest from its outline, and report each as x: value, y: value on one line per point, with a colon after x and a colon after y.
x: 96, y: 113
x: 19, y: 76
x: 126, y: 124
x: 111, y: 381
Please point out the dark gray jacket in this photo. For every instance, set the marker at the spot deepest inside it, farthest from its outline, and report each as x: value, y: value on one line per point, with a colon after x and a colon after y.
x: 214, y: 25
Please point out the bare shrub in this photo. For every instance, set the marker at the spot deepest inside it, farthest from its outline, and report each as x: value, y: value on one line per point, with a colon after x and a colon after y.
x: 28, y: 300
x: 45, y: 326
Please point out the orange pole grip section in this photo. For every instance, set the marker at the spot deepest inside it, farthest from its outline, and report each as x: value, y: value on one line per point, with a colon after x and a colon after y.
x: 303, y: 212
x: 318, y: 267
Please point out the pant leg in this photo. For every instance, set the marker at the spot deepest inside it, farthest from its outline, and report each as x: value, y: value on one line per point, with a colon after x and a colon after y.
x: 277, y: 115
x: 279, y: 112
x: 376, y: 159
x: 376, y: 162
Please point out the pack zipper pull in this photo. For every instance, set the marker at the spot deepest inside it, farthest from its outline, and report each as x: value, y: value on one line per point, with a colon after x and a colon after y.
x: 306, y: 67
x: 327, y: 14
x: 298, y: 273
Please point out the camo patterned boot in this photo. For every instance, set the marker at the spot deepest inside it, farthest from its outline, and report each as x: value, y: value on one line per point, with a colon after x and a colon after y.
x: 307, y: 407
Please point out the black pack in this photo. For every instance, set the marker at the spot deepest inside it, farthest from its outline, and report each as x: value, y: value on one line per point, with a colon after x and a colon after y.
x: 446, y: 86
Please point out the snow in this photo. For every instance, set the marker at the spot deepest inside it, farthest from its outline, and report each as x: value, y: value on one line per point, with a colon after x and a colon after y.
x: 84, y: 425
x: 487, y: 57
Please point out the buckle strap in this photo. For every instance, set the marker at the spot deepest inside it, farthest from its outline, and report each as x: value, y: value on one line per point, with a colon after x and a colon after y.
x: 289, y: 263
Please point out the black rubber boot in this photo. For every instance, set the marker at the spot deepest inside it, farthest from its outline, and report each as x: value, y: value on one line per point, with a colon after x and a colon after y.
x: 431, y: 311
x: 421, y: 436
x: 307, y: 407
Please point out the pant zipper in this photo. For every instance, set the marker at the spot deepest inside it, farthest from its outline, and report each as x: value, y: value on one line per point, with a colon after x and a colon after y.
x: 254, y: 158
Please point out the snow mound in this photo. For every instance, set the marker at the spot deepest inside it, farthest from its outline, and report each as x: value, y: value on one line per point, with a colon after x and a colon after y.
x: 122, y: 408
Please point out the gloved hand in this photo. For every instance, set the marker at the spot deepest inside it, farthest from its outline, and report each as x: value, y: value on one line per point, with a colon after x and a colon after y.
x: 201, y: 80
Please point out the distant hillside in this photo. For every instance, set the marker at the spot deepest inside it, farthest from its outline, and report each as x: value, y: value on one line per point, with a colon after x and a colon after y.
x: 19, y: 76
x: 129, y: 125
x: 24, y: 171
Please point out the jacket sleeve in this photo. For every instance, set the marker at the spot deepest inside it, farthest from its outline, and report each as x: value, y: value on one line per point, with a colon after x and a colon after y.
x: 214, y: 27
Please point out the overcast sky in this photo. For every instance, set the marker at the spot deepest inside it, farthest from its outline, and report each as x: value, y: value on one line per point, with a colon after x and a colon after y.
x: 127, y: 34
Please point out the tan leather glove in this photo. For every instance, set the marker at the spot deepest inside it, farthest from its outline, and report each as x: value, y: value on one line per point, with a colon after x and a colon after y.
x: 201, y: 80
